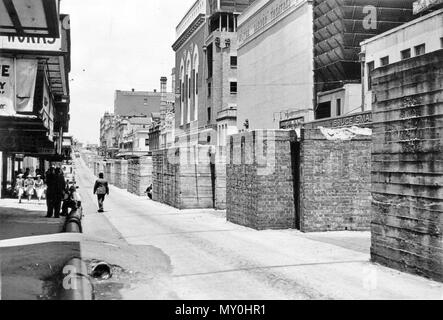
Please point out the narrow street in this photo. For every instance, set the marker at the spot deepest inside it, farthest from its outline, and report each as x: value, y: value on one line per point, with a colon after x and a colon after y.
x: 214, y: 259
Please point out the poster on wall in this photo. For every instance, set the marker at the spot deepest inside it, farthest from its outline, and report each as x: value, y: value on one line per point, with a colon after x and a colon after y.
x: 26, y: 72
x: 6, y: 87
x: 17, y: 85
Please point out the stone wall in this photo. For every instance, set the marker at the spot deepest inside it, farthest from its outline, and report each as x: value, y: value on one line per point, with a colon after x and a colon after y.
x: 259, y: 179
x: 335, y: 177
x: 109, y: 170
x: 139, y: 175
x: 220, y: 178
x: 182, y: 177
x: 407, y: 165
x: 121, y: 174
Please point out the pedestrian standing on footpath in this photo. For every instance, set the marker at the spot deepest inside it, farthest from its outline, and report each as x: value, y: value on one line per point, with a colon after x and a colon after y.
x: 29, y: 187
x: 39, y: 188
x: 59, y: 188
x: 20, y: 187
x: 50, y: 191
x: 101, y: 189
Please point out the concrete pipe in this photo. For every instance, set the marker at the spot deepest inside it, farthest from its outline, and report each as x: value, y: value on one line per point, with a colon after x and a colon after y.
x: 73, y: 222
x: 76, y: 284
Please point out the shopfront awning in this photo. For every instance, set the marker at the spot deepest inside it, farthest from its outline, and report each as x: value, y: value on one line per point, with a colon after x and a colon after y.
x: 36, y: 18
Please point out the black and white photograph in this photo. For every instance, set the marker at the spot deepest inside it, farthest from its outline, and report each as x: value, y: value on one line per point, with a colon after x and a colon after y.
x: 219, y: 156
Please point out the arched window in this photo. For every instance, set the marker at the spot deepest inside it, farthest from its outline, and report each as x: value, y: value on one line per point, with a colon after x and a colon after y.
x: 189, y: 87
x: 196, y: 68
x: 182, y: 92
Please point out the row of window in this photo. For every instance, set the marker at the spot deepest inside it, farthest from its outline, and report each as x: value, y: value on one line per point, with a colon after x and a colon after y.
x: 405, y: 54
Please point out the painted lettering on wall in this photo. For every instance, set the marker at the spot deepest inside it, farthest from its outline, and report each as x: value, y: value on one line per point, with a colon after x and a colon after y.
x: 268, y: 16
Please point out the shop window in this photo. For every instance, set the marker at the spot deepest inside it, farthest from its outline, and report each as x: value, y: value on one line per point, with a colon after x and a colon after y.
x: 234, y: 62
x: 233, y: 87
x: 384, y: 61
x: 420, y: 49
x: 406, y: 54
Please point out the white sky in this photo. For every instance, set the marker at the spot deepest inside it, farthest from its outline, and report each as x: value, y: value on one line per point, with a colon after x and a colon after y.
x: 117, y: 45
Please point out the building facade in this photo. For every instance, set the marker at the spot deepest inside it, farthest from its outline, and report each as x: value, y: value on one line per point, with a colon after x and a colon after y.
x: 276, y: 63
x: 412, y: 39
x: 339, y: 28
x: 138, y: 103
x: 206, y: 68
x: 301, y: 57
x: 34, y: 92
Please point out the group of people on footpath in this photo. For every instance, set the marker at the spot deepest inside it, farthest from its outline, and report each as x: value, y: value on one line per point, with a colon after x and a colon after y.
x: 27, y: 185
x: 60, y: 195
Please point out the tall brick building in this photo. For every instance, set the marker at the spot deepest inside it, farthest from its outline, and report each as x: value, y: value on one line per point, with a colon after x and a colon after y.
x: 138, y: 103
x: 206, y: 70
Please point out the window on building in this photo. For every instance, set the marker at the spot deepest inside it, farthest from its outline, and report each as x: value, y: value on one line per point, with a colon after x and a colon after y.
x: 406, y: 54
x: 441, y: 42
x: 209, y: 60
x: 189, y: 87
x: 323, y: 110
x: 146, y: 142
x: 233, y: 86
x: 233, y: 62
x: 145, y: 102
x: 371, y: 67
x: 196, y: 83
x: 420, y: 49
x: 384, y: 61
x: 209, y: 114
x: 338, y: 107
x: 183, y: 92
x: 209, y: 89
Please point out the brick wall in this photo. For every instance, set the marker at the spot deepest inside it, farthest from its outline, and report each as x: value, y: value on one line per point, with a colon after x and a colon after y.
x: 259, y: 180
x: 121, y: 174
x: 407, y: 165
x: 335, y: 181
x: 139, y: 175
x: 182, y: 177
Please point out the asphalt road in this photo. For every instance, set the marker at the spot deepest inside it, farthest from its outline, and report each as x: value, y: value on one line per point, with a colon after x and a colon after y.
x: 213, y: 259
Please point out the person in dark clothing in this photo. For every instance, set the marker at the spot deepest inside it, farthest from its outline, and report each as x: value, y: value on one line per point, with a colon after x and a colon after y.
x: 101, y: 189
x: 72, y: 202
x: 50, y: 191
x: 56, y: 187
x: 60, y: 187
x: 27, y: 173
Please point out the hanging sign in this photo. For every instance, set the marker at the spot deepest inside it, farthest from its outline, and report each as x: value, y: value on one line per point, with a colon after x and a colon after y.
x: 6, y: 86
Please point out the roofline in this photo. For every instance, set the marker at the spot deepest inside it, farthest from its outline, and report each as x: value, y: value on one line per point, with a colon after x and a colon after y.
x: 403, y: 26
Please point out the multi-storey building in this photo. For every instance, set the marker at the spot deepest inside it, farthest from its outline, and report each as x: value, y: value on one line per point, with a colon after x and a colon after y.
x: 298, y: 59
x: 35, y: 61
x: 206, y: 69
x: 138, y: 103
x: 108, y: 145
